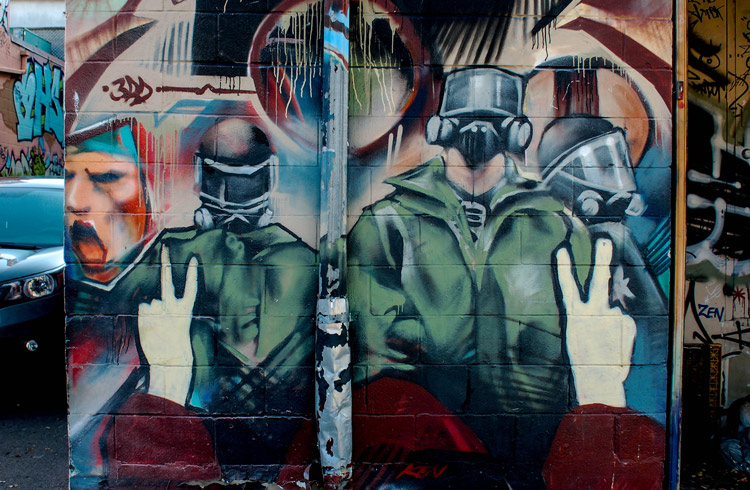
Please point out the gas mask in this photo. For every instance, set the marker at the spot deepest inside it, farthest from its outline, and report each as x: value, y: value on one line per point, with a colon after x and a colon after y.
x: 235, y: 177
x: 480, y: 115
x: 594, y: 174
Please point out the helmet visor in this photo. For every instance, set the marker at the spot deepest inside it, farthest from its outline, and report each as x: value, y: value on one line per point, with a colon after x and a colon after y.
x: 602, y: 163
x: 482, y: 91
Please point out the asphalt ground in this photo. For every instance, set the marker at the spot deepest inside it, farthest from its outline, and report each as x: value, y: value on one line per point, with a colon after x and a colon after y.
x: 33, y: 417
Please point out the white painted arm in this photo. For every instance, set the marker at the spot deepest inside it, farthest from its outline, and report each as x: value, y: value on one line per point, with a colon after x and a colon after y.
x: 599, y: 337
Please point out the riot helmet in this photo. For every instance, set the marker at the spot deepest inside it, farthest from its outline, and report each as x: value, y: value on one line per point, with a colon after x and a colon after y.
x: 481, y: 114
x: 586, y: 162
x: 235, y: 173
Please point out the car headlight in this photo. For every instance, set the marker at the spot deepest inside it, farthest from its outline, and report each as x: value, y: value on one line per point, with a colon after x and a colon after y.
x: 33, y: 287
x: 38, y: 286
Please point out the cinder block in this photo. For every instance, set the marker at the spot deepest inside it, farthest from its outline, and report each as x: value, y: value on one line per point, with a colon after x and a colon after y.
x: 383, y: 439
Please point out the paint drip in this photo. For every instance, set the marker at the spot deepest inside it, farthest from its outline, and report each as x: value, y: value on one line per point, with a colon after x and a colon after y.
x: 297, y: 51
x: 370, y: 54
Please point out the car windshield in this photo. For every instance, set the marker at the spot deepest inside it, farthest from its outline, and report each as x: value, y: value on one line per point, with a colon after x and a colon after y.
x: 31, y: 217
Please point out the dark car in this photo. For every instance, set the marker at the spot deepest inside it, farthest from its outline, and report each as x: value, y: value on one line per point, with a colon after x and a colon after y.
x: 31, y: 261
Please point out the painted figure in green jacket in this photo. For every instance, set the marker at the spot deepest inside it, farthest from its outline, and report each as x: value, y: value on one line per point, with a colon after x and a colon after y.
x: 215, y: 319
x: 481, y: 286
x: 431, y: 289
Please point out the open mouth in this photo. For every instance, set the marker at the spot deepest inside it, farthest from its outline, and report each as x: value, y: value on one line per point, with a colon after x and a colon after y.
x: 86, y: 243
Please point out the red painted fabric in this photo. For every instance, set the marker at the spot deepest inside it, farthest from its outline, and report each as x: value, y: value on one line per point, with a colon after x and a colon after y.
x: 398, y: 412
x: 153, y: 441
x: 601, y: 447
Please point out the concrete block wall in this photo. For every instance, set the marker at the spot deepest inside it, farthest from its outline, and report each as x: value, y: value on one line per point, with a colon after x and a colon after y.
x: 509, y: 196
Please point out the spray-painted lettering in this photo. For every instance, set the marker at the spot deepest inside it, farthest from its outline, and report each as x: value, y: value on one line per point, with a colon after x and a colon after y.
x: 35, y: 162
x: 130, y: 90
x: 421, y: 471
x: 699, y: 14
x: 708, y: 311
x: 38, y: 101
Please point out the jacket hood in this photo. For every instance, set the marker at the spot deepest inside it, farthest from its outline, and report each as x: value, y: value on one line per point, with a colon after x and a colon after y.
x: 429, y: 180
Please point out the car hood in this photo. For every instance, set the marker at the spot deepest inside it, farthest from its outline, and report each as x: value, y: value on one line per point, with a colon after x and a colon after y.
x: 15, y: 263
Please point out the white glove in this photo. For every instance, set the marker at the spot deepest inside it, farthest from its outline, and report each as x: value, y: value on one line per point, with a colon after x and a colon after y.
x: 599, y: 337
x: 164, y: 332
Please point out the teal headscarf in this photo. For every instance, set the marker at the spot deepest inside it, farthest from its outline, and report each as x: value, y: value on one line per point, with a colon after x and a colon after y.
x: 118, y: 143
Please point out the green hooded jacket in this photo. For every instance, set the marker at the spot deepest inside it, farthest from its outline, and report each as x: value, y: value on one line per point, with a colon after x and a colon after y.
x: 432, y: 305
x: 252, y: 319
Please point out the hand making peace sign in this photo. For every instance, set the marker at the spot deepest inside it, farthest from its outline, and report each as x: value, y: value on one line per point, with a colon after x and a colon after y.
x: 599, y: 337
x: 164, y: 333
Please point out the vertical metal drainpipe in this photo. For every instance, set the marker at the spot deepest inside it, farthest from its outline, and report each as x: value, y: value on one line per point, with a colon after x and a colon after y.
x: 333, y: 393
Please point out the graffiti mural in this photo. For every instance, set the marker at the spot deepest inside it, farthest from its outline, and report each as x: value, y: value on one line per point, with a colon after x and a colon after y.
x: 509, y: 270
x: 190, y: 222
x: 31, y: 132
x: 37, y: 162
x: 717, y: 263
x: 4, y: 4
x: 38, y: 101
x: 507, y: 234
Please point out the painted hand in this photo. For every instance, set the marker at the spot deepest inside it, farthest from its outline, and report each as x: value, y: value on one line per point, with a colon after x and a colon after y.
x: 164, y: 333
x: 599, y: 337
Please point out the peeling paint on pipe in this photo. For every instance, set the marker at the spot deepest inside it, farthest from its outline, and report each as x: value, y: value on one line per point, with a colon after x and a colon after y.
x: 333, y: 394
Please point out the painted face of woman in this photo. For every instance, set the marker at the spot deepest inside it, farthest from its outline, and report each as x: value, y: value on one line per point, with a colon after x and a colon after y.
x: 105, y: 210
